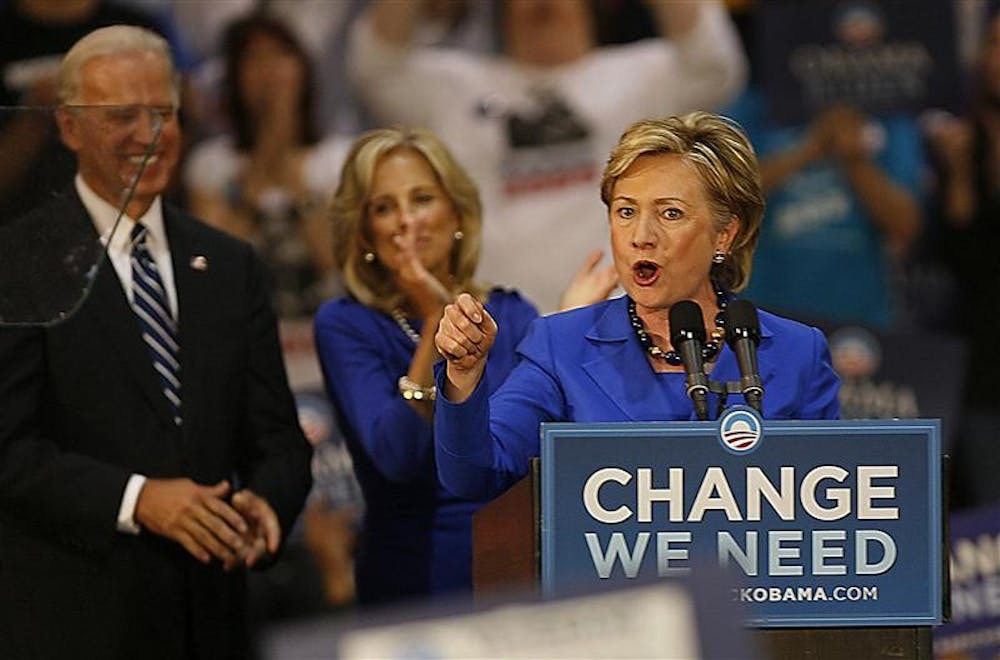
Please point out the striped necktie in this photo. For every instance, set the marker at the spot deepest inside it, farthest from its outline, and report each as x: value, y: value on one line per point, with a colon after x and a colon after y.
x: 159, y: 329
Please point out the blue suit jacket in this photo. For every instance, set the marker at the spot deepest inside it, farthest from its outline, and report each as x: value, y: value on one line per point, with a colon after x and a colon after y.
x: 587, y: 365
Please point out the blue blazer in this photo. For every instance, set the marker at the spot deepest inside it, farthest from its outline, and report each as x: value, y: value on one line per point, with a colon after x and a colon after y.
x: 417, y: 537
x: 587, y: 365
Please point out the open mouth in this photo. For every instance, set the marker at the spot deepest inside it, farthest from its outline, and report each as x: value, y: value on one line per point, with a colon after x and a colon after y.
x: 137, y: 160
x: 645, y: 272
x: 132, y: 165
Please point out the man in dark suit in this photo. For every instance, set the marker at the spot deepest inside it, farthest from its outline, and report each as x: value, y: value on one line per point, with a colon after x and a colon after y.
x: 149, y: 447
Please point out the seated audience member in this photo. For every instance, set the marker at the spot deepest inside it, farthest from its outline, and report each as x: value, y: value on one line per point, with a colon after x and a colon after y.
x: 268, y: 181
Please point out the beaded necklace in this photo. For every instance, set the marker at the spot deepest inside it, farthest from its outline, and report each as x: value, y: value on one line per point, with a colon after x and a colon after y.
x: 672, y: 357
x: 397, y: 315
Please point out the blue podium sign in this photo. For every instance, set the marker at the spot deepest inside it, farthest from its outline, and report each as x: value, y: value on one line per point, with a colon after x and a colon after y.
x: 818, y: 523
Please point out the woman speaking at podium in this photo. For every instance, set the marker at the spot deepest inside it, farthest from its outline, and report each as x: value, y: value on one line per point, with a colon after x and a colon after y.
x: 684, y: 208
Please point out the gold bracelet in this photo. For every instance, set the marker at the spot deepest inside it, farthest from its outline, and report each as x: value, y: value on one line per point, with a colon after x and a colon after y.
x: 412, y: 391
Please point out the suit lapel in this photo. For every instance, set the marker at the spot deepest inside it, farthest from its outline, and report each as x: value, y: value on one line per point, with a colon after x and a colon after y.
x: 108, y: 305
x: 767, y: 357
x: 619, y: 367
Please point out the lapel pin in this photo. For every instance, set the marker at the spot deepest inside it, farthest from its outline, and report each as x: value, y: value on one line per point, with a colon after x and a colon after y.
x: 199, y: 262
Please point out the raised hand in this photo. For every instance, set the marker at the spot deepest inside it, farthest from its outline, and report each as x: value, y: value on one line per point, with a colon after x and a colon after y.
x: 590, y: 284
x: 845, y: 133
x: 464, y: 337
x: 195, y: 516
x: 950, y: 138
x: 421, y: 288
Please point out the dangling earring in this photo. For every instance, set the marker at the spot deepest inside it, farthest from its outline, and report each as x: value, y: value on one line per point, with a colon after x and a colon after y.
x: 458, y: 235
x: 369, y: 257
x: 719, y: 257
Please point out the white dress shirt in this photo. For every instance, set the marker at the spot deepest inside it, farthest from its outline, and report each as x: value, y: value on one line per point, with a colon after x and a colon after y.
x: 114, y: 228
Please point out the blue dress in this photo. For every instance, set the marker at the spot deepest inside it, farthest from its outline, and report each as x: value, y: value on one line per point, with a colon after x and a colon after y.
x: 416, y: 536
x: 586, y: 365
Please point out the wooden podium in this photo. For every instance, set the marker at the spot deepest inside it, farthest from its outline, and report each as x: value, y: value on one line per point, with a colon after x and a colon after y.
x: 507, y: 556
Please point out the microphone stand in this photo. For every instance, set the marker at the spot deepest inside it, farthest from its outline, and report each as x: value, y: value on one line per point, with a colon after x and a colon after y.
x: 724, y: 389
x: 687, y: 335
x: 696, y: 380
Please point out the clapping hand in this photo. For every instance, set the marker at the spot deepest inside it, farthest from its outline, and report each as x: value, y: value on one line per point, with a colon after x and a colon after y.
x: 842, y: 131
x: 950, y: 138
x: 590, y: 284
x: 421, y: 288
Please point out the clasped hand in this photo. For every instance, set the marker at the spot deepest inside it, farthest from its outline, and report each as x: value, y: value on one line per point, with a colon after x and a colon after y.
x: 464, y: 337
x: 198, y: 517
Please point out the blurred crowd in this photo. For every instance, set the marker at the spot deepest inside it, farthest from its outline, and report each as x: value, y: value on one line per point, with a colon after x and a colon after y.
x: 884, y: 221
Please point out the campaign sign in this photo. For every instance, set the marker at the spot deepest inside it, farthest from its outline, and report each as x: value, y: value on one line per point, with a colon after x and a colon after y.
x: 817, y: 523
x: 973, y: 633
x: 882, y: 56
x: 878, y: 379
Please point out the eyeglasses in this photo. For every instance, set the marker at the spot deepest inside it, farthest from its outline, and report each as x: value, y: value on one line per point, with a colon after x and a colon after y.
x: 122, y: 116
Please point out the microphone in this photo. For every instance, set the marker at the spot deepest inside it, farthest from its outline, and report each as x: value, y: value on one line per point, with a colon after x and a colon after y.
x: 743, y: 336
x: 687, y: 334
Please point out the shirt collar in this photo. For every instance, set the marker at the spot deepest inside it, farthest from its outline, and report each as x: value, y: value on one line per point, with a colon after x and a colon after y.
x: 104, y: 216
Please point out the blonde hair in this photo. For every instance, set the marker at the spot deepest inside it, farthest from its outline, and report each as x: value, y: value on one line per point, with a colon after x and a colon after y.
x: 724, y: 159
x: 112, y: 40
x: 370, y: 282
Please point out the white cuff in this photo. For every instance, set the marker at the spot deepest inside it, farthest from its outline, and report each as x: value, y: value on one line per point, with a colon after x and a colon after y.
x: 126, y: 512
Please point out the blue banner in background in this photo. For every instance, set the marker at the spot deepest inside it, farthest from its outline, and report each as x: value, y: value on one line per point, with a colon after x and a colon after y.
x: 882, y: 56
x: 974, y: 630
x: 827, y: 523
x: 880, y: 380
